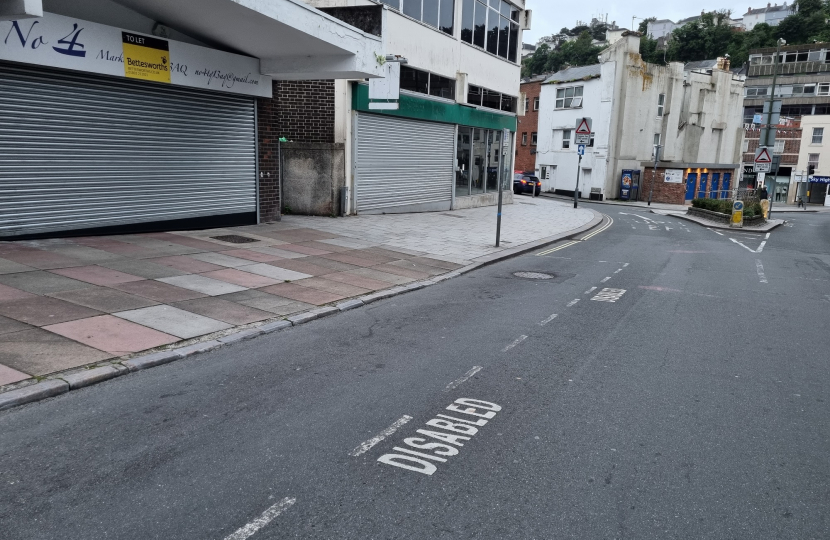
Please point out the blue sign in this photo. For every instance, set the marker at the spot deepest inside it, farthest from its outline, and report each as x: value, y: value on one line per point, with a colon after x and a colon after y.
x: 738, y: 206
x: 580, y: 149
x: 758, y: 119
x: 626, y: 184
x: 820, y: 179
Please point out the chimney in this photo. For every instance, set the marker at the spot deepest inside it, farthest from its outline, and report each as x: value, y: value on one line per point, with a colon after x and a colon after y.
x: 769, y: 5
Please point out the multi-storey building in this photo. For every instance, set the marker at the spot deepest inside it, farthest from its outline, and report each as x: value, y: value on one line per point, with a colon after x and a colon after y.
x: 634, y: 106
x: 771, y: 15
x: 803, y: 86
x: 811, y: 179
x: 527, y: 132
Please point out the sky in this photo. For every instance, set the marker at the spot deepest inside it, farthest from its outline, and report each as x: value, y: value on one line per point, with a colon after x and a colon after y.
x: 549, y: 16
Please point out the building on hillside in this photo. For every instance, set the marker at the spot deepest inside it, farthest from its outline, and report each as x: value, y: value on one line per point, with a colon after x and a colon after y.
x: 772, y: 14
x: 528, y: 49
x: 660, y: 28
x: 153, y: 115
x: 811, y: 180
x: 635, y: 105
x: 443, y: 148
x: 526, y: 133
x: 803, y: 86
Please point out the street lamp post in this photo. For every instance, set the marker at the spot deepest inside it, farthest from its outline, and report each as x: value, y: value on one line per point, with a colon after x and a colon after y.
x: 769, y: 120
x: 657, y: 148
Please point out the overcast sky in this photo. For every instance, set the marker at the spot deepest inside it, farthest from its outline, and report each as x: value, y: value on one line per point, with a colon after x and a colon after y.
x: 549, y: 16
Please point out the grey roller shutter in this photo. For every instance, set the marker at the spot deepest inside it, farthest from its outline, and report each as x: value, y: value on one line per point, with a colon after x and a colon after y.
x: 403, y: 165
x: 80, y: 151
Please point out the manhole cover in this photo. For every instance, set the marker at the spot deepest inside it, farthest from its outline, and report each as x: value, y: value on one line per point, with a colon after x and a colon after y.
x: 533, y: 275
x: 235, y: 239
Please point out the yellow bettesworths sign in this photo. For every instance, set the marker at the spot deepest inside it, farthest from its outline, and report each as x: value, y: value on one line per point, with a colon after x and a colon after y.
x: 146, y: 58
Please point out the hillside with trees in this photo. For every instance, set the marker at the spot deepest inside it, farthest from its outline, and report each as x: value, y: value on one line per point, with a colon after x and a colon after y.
x: 706, y: 38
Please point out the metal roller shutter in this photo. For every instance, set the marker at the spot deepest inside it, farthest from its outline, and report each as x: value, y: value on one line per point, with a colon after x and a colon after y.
x: 80, y: 151
x: 403, y: 165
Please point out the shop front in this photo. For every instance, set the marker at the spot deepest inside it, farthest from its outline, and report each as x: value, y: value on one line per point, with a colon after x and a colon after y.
x: 817, y: 190
x: 102, y: 128
x: 431, y: 154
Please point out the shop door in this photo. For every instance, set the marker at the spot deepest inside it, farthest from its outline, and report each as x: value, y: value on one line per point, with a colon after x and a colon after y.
x: 691, y: 184
x: 715, y: 186
x: 725, y: 186
x: 78, y: 151
x: 701, y: 192
x: 404, y: 165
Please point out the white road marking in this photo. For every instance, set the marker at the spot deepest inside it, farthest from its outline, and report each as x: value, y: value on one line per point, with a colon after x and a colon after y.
x: 573, y: 302
x: 456, y: 383
x: 760, y: 268
x: 767, y: 236
x: 761, y: 247
x: 714, y: 231
x: 625, y: 265
x: 669, y: 228
x: 618, y: 271
x: 609, y: 295
x: 603, y: 280
x: 743, y: 246
x: 549, y: 319
x: 522, y: 338
x: 637, y: 215
x: 366, y: 446
x: 589, y: 291
x: 267, y: 517
x: 569, y: 244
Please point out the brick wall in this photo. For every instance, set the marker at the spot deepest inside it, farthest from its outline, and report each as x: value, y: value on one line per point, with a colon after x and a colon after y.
x: 302, y: 112
x: 673, y: 193
x: 528, y: 124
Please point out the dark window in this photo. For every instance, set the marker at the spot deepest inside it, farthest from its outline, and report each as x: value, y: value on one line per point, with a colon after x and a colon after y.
x: 504, y: 32
x: 491, y: 100
x: 447, y: 15
x: 524, y: 138
x: 431, y: 12
x: 802, y: 56
x: 493, y: 32
x: 514, y: 14
x: 412, y: 8
x: 474, y: 95
x: 441, y: 86
x: 504, y: 9
x: 508, y: 103
x: 414, y: 80
x: 533, y: 139
x: 480, y: 25
x: 513, y: 50
x: 467, y: 20
x: 535, y: 104
x: 822, y: 109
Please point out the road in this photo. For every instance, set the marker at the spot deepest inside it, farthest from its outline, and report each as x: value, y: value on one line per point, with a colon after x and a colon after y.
x: 668, y: 381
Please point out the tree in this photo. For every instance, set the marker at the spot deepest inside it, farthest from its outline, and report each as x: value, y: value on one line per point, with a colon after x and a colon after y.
x: 807, y: 24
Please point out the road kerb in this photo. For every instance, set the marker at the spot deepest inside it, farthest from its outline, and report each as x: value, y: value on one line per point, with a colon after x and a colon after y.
x: 88, y: 377
x: 36, y: 392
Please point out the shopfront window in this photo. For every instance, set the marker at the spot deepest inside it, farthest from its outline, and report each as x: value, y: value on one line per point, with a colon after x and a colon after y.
x: 493, y: 159
x: 479, y: 161
x: 462, y: 166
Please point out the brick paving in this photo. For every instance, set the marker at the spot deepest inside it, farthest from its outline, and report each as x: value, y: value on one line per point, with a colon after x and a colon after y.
x: 67, y: 303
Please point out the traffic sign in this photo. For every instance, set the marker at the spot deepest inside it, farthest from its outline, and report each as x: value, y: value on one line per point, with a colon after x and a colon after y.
x: 737, y: 214
x: 763, y: 159
x: 580, y: 149
x: 583, y: 130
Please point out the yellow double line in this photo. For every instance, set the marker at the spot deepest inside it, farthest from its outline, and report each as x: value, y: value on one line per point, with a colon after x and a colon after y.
x: 574, y: 242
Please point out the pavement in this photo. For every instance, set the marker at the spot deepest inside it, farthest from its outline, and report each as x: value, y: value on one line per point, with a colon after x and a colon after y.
x: 81, y: 303
x: 665, y: 382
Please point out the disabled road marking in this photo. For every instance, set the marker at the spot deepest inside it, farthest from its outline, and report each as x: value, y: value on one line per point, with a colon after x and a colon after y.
x: 459, y: 381
x: 609, y: 295
x: 267, y: 517
x: 366, y: 446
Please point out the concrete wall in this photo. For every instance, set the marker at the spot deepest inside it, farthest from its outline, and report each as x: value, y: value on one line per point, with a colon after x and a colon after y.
x: 313, y: 174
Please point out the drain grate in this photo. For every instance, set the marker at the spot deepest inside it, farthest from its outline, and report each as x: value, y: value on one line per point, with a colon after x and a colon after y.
x: 533, y: 275
x: 235, y: 239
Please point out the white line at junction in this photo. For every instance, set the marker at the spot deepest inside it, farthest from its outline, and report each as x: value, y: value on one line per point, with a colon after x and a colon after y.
x: 573, y: 302
x: 267, y: 517
x: 760, y: 268
x: 549, y: 319
x: 366, y: 446
x: 589, y: 291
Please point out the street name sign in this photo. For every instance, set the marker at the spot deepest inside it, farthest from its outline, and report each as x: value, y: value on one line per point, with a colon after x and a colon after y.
x: 763, y: 159
x: 583, y: 130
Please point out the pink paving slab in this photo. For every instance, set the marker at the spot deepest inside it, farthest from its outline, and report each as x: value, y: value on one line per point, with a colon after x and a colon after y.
x: 241, y: 278
x: 186, y: 264
x: 111, y: 334
x: 97, y: 275
x: 251, y: 255
x: 9, y: 294
x: 11, y: 376
x: 303, y: 249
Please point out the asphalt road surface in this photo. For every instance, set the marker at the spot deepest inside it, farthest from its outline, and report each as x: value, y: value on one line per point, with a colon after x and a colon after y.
x: 668, y: 381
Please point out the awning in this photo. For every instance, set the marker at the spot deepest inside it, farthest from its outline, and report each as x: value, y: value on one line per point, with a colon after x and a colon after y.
x: 293, y: 40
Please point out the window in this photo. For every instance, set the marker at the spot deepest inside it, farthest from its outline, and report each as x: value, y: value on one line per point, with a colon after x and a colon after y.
x: 779, y: 147
x: 482, y: 97
x: 661, y: 102
x: 527, y: 104
x: 524, y: 138
x: 745, y: 146
x: 535, y: 104
x: 534, y: 138
x: 491, y: 25
x: 436, y: 13
x: 818, y: 135
x: 824, y: 89
x: 569, y: 97
x: 423, y: 82
x: 812, y: 163
x: 753, y: 91
x: 566, y: 138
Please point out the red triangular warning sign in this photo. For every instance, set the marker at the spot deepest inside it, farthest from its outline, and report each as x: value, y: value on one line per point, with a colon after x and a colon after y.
x: 584, y: 128
x: 763, y: 156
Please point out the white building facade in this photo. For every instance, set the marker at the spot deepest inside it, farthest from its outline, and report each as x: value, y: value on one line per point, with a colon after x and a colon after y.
x: 811, y: 177
x: 695, y: 117
x: 450, y: 141
x: 772, y: 14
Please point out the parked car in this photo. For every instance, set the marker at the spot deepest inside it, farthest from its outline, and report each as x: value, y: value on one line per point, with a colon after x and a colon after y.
x: 526, y: 183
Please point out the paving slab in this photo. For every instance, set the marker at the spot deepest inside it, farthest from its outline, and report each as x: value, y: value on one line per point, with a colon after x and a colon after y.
x: 304, y: 294
x: 111, y: 245
x: 43, y: 260
x: 419, y: 267
x: 11, y: 376
x: 336, y: 287
x: 105, y: 299
x: 221, y: 260
x: 11, y: 294
x: 323, y: 246
x: 186, y: 264
x: 278, y: 305
x: 306, y: 250
x: 143, y: 268
x: 186, y: 240
x: 40, y: 352
x: 43, y: 310
x: 201, y: 284
x: 224, y: 310
x: 325, y: 263
x: 352, y: 243
x: 8, y: 326
x: 158, y: 291
x: 279, y: 252
x: 97, y: 275
x: 304, y: 267
x: 392, y: 279
x: 85, y: 254
x: 348, y: 258
x: 112, y: 334
x: 252, y: 255
x: 241, y: 278
x: 11, y: 267
x: 436, y: 263
x: 41, y: 282
x: 275, y: 272
x: 174, y: 321
x: 351, y: 278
